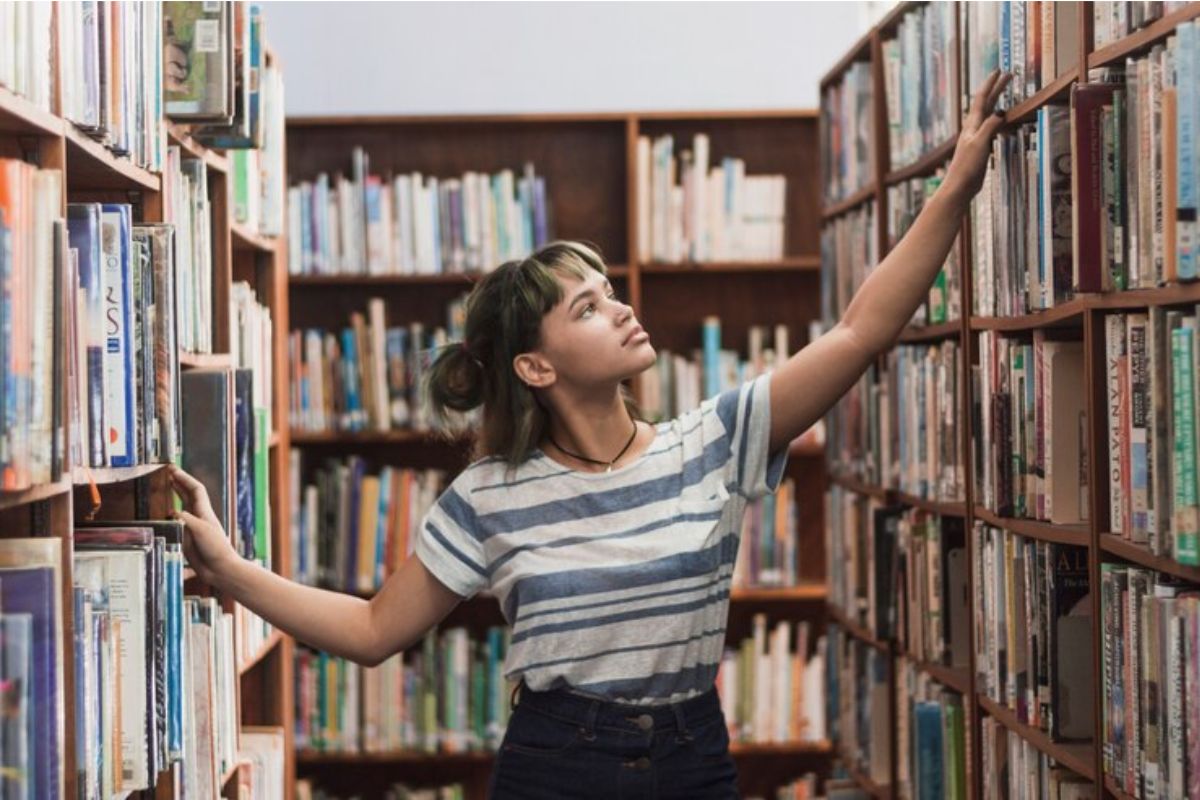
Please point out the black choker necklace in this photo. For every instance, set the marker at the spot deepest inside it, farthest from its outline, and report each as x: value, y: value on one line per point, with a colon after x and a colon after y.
x: 608, y: 464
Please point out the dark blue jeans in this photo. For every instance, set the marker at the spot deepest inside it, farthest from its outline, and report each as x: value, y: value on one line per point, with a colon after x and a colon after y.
x: 564, y: 745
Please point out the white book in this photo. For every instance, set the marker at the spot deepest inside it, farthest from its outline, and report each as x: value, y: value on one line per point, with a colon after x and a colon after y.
x: 644, y: 211
x: 698, y: 226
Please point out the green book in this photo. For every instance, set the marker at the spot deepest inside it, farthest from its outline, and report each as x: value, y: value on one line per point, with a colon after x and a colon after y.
x: 262, y: 487
x: 1184, y: 445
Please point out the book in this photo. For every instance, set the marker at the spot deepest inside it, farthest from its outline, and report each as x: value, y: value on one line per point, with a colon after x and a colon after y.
x: 198, y: 60
x: 208, y: 436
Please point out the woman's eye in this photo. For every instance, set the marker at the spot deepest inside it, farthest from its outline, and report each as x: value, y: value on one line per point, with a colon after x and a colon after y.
x: 588, y: 309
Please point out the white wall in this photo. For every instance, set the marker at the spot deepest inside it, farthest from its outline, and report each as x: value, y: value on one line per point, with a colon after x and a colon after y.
x: 478, y: 57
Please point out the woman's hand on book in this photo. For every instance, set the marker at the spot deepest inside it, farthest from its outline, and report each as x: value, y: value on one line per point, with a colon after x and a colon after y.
x: 969, y: 164
x: 206, y: 546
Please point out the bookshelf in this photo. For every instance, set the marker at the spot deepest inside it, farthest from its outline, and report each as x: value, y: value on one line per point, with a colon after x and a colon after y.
x: 589, y: 162
x: 93, y: 173
x: 1081, y: 318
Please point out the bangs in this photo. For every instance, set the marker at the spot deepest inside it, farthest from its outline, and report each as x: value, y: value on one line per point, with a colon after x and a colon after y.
x: 542, y: 273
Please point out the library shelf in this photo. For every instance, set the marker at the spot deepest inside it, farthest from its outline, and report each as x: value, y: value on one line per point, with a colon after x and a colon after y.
x: 1037, y: 529
x: 945, y: 508
x: 205, y: 360
x: 860, y: 777
x: 1110, y: 785
x: 84, y: 476
x: 1026, y: 110
x: 20, y: 116
x: 1069, y: 314
x: 392, y: 437
x: 859, y: 51
x: 856, y: 630
x: 788, y: 264
x: 925, y: 165
x: 270, y: 644
x: 781, y: 594
x: 91, y: 165
x: 850, y: 203
x: 1120, y: 547
x: 318, y: 758
x: 42, y: 491
x: 860, y: 487
x: 788, y: 749
x: 179, y: 135
x: 246, y: 240
x: 407, y: 279
x: 956, y: 678
x: 1075, y: 756
x: 931, y: 333
x: 1173, y: 294
x: 1139, y: 40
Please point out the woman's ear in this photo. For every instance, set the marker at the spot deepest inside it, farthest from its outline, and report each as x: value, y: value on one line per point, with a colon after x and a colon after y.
x: 534, y: 370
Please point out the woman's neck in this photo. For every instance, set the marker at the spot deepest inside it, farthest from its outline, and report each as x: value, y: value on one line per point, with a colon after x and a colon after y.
x: 595, y: 429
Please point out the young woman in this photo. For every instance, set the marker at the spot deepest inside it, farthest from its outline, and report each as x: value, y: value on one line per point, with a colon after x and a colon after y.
x: 609, y: 542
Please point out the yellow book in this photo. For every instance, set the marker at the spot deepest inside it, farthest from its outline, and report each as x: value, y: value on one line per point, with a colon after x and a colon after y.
x: 368, y: 531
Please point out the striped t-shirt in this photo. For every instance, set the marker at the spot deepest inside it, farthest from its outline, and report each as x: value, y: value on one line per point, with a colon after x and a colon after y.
x: 615, y: 584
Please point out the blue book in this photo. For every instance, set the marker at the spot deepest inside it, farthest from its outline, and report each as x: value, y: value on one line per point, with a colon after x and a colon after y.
x: 540, y: 228
x: 501, y: 232
x: 116, y: 245
x: 1187, y: 74
x: 16, y: 670
x: 381, y: 528
x: 243, y: 439
x: 353, y: 415
x: 930, y: 768
x: 83, y: 232
x: 711, y: 340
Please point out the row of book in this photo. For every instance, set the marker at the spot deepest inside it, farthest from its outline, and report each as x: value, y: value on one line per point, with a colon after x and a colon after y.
x: 26, y: 51
x: 1014, y: 769
x: 858, y: 699
x: 306, y: 789
x: 352, y: 529
x: 409, y: 224
x: 1113, y: 20
x: 449, y: 695
x: 1030, y: 420
x: 904, y: 202
x: 772, y: 687
x: 930, y: 585
x: 368, y: 376
x: 258, y: 175
x: 1150, y: 629
x: 930, y: 738
x: 847, y: 133
x: 918, y: 73
x: 691, y: 211
x: 1033, y: 630
x: 849, y: 251
x: 858, y: 553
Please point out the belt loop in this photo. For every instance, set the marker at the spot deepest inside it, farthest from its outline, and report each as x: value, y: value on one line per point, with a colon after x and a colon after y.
x: 681, y: 723
x: 512, y: 698
x: 589, y: 723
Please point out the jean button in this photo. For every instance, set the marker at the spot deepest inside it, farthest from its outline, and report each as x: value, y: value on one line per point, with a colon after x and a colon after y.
x: 645, y: 722
x: 642, y: 763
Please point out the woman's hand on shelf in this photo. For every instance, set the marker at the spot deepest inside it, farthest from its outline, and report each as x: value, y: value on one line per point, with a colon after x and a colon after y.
x: 969, y: 164
x: 206, y: 544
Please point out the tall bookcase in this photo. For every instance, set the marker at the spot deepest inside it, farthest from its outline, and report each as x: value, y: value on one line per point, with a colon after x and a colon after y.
x: 1084, y: 319
x: 589, y: 161
x: 92, y: 173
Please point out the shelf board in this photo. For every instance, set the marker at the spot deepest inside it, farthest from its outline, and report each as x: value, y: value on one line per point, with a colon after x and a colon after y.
x: 856, y: 630
x: 20, y: 116
x: 1036, y: 529
x: 1026, y: 110
x: 1142, y: 39
x: 782, y: 594
x: 33, y: 494
x: 850, y: 203
x: 179, y: 135
x: 247, y: 240
x: 274, y: 639
x: 351, y: 280
x: 1177, y: 293
x: 956, y: 678
x: 1069, y: 314
x: 945, y: 508
x: 860, y: 777
x: 1079, y: 757
x: 110, y: 475
x: 1141, y: 555
x: 855, y: 485
x: 91, y: 165
x: 394, y: 437
x: 206, y: 360
x: 925, y: 165
x: 932, y: 333
x: 1111, y: 786
x: 789, y: 264
x: 859, y: 51
x: 753, y: 749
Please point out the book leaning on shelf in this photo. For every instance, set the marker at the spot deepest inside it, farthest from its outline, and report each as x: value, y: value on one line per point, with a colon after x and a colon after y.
x: 688, y: 211
x: 409, y: 224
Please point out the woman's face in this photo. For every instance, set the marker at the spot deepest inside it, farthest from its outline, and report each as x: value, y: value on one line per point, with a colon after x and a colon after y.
x: 591, y: 337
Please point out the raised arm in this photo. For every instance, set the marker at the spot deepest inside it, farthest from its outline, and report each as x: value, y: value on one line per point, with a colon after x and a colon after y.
x: 410, y: 603
x: 812, y: 380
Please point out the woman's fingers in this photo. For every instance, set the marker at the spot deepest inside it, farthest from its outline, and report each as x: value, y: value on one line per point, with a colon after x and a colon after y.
x: 191, y: 490
x: 975, y: 115
x: 996, y: 92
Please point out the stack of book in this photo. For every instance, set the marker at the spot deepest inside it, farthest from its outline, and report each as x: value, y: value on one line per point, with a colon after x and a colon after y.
x: 847, y: 128
x: 904, y: 202
x: 689, y: 211
x: 931, y: 738
x: 919, y: 79
x: 449, y: 696
x: 368, y: 376
x: 1033, y: 630
x: 772, y: 687
x: 414, y: 224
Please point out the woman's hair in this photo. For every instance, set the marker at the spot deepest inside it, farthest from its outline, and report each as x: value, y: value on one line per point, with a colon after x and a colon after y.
x: 504, y: 317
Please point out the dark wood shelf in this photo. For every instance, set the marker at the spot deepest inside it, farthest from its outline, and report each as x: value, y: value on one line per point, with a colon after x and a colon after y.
x: 931, y: 333
x: 20, y: 116
x: 91, y: 165
x: 860, y: 487
x: 1026, y: 111
x: 34, y: 494
x: 859, y: 51
x: 774, y: 749
x: 789, y: 264
x: 1110, y: 785
x: 246, y: 240
x: 178, y: 134
x: 955, y: 678
x: 1115, y: 545
x: 270, y: 644
x: 1069, y: 314
x: 1174, y: 294
x: 863, y: 780
x: 1116, y: 52
x: 85, y: 476
x: 781, y: 594
x: 925, y: 165
x: 945, y: 508
x: 850, y: 203
x: 856, y: 630
x: 1036, y: 529
x: 1079, y: 757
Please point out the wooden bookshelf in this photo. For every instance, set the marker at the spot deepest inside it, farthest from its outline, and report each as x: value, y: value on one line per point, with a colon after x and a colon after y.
x: 864, y: 782
x: 857, y: 630
x: 925, y: 165
x: 1080, y: 318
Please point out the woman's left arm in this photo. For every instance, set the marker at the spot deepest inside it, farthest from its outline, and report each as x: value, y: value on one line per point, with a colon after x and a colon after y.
x: 812, y: 380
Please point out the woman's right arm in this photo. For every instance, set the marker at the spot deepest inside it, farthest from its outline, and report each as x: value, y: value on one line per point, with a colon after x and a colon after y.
x: 410, y: 603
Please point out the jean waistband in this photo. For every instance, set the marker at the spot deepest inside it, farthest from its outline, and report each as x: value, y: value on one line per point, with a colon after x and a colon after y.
x: 592, y: 713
